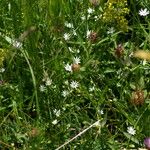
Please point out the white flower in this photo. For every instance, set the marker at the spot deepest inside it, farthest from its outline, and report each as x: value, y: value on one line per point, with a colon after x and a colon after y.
x: 111, y: 30
x: 74, y: 84
x: 17, y: 44
x: 131, y: 130
x: 96, y: 18
x: 57, y: 112
x: 68, y: 25
x: 42, y: 88
x: 74, y: 32
x: 68, y: 67
x: 76, y: 60
x: 90, y: 10
x: 2, y: 70
x: 66, y: 36
x: 143, y: 12
x: 91, y: 89
x: 88, y: 33
x: 65, y: 93
x: 101, y: 112
x: 48, y: 82
x: 54, y: 122
x: 83, y: 18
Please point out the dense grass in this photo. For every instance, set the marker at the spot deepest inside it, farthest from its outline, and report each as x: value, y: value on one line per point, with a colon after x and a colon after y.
x: 68, y: 66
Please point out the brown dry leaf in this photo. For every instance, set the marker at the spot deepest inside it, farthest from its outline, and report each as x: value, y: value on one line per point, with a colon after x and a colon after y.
x: 142, y: 54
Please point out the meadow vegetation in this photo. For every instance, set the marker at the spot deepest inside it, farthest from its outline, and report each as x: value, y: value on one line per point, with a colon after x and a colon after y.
x: 69, y: 75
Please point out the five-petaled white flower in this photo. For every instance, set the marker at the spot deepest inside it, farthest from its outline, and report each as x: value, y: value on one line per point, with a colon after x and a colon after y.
x: 76, y: 60
x: 54, y: 122
x: 57, y: 112
x: 90, y: 10
x: 42, y: 88
x: 66, y: 36
x: 111, y: 30
x: 131, y: 130
x: 68, y: 67
x: 48, y: 82
x: 143, y: 12
x: 74, y: 84
x: 65, y: 93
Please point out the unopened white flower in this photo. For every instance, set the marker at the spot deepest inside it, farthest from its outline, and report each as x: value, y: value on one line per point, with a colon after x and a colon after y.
x: 42, y: 88
x: 54, y: 122
x: 66, y: 82
x: 90, y: 10
x: 76, y: 60
x: 96, y: 18
x: 83, y: 18
x: 144, y: 62
x: 9, y: 6
x: 2, y: 70
x: 68, y: 25
x: 74, y: 84
x: 78, y: 51
x: 57, y: 112
x: 111, y: 30
x: 66, y: 36
x: 131, y: 130
x: 88, y: 33
x: 70, y: 49
x: 68, y: 67
x: 65, y: 93
x: 143, y: 12
x: 101, y: 112
x: 74, y: 32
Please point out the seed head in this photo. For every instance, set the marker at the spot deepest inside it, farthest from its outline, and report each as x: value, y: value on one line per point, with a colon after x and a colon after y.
x: 137, y: 97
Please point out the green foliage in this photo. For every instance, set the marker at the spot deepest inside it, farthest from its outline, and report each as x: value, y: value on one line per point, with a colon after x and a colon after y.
x: 64, y: 65
x: 3, y: 54
x: 115, y: 12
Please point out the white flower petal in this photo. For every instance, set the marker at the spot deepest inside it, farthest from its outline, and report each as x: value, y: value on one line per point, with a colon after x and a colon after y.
x: 76, y: 60
x: 143, y: 12
x: 131, y: 130
x: 74, y: 84
x: 68, y: 67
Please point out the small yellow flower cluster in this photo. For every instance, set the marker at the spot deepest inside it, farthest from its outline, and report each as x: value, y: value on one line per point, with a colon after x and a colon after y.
x: 115, y: 12
x: 3, y: 53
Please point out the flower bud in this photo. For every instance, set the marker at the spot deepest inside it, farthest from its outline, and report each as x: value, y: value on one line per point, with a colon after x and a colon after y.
x: 92, y: 36
x: 94, y: 2
x: 75, y: 67
x: 137, y: 97
x: 119, y: 50
x: 147, y: 143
